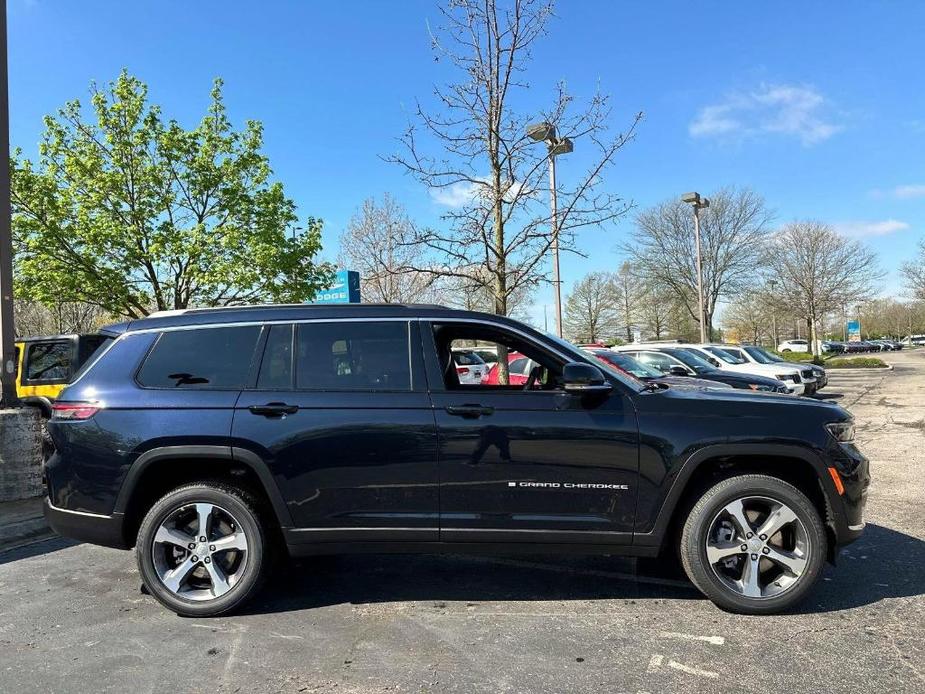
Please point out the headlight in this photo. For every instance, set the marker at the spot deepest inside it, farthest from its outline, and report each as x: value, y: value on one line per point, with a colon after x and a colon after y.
x: 786, y: 377
x: 842, y: 431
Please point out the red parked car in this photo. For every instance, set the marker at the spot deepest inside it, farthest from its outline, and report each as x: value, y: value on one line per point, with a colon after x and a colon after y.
x: 518, y: 367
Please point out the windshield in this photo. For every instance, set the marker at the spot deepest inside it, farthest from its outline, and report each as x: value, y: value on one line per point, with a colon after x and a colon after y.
x: 467, y: 358
x: 761, y: 355
x: 724, y: 355
x: 627, y: 363
x: 697, y: 363
x: 583, y: 356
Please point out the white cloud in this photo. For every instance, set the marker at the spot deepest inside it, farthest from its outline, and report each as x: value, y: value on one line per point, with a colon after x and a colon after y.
x: 860, y: 229
x: 455, y: 195
x: 905, y: 192
x: 460, y: 194
x: 782, y: 109
x: 916, y: 190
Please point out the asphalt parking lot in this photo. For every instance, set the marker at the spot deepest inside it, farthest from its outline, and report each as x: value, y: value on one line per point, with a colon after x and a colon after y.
x: 72, y: 617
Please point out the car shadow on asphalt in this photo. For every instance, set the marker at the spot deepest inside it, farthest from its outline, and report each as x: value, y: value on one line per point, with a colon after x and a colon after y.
x: 363, y: 579
x: 884, y: 563
x: 37, y: 548
x: 827, y: 396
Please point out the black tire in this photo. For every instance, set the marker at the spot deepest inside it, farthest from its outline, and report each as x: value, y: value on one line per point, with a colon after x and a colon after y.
x: 698, y: 526
x: 243, y: 506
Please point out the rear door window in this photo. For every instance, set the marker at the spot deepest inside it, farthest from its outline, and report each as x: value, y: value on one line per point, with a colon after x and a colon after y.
x: 49, y: 361
x: 201, y: 358
x: 353, y: 355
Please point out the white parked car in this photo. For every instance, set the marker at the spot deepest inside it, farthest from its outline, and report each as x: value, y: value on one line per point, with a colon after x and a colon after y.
x: 470, y: 367
x: 793, y: 346
x: 715, y: 354
x: 813, y: 376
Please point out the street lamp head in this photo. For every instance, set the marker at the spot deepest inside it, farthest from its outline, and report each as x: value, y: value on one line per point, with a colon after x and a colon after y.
x: 704, y: 202
x: 691, y: 198
x: 563, y: 146
x: 541, y: 131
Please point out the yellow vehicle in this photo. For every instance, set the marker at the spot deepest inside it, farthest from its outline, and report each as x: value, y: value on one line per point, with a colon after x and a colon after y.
x: 44, y: 365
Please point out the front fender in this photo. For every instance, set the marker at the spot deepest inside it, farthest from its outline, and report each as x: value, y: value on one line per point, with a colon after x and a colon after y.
x: 677, y: 484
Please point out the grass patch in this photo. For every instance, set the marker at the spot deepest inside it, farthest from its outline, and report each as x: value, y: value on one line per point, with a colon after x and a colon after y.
x: 801, y: 357
x: 855, y: 363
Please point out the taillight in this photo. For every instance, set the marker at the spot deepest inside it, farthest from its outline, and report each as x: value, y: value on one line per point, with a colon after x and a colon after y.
x: 74, y: 410
x: 462, y: 370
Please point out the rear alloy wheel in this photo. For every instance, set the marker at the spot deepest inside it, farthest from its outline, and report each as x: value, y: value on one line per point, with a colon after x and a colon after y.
x: 201, y: 549
x: 754, y: 544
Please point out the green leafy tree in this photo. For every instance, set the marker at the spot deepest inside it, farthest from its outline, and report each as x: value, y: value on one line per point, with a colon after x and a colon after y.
x: 134, y: 213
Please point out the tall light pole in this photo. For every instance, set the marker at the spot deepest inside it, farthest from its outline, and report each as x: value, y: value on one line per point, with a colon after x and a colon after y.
x: 546, y: 132
x: 772, y: 284
x: 7, y: 335
x: 698, y: 203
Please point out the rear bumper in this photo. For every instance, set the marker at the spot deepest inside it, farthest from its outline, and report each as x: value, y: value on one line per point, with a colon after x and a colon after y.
x: 87, y: 527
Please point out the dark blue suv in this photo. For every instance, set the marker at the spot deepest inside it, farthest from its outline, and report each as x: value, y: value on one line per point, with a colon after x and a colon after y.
x: 211, y: 439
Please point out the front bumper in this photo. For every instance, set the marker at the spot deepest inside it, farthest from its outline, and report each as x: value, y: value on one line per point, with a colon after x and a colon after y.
x: 87, y: 527
x: 854, y: 471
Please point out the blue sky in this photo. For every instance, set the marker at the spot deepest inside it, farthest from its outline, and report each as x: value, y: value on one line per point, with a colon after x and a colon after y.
x: 818, y: 106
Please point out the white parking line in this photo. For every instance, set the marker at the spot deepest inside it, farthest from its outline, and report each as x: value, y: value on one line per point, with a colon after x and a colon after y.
x: 657, y: 660
x: 715, y: 640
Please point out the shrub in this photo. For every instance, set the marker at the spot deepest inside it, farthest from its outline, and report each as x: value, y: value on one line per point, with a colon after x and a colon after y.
x: 855, y: 363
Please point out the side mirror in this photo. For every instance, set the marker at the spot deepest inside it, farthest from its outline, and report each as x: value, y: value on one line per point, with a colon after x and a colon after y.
x: 581, y: 379
x: 678, y: 370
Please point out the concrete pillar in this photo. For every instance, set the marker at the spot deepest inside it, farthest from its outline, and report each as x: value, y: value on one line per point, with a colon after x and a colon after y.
x: 20, y: 454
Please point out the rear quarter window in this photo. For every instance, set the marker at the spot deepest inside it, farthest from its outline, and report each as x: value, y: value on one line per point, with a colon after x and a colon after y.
x: 49, y: 361
x: 200, y: 358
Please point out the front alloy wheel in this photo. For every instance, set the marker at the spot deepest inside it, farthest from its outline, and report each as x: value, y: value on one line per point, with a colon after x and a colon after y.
x: 754, y: 544
x: 757, y: 547
x: 201, y: 549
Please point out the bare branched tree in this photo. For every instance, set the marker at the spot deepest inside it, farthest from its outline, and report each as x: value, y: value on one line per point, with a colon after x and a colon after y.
x: 656, y: 306
x: 914, y: 272
x: 379, y: 244
x: 472, y: 149
x: 821, y: 271
x: 34, y: 319
x: 733, y: 230
x: 748, y: 316
x: 631, y: 289
x: 592, y: 310
x: 457, y: 291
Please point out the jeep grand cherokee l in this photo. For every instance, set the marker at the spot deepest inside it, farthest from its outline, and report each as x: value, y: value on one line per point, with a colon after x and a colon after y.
x: 208, y: 439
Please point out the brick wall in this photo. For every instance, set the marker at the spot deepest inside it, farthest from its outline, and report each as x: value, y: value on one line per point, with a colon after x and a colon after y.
x: 20, y: 454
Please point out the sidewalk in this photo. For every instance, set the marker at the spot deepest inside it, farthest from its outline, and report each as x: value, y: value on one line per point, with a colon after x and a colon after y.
x: 22, y: 522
